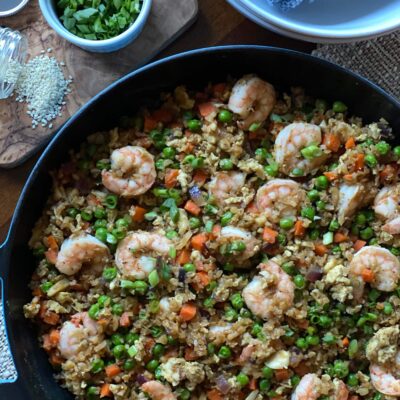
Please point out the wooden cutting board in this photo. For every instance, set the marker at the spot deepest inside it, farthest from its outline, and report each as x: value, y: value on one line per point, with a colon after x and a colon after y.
x: 91, y: 72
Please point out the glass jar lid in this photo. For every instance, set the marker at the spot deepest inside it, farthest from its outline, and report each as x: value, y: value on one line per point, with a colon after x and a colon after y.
x: 13, y: 51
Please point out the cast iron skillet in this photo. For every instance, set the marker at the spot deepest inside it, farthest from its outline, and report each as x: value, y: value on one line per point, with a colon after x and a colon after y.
x: 283, y: 68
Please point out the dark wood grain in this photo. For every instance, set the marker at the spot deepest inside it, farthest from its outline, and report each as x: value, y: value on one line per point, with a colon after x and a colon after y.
x: 217, y: 24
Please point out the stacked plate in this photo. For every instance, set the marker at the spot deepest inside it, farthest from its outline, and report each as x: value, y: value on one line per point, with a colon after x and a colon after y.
x: 325, y: 21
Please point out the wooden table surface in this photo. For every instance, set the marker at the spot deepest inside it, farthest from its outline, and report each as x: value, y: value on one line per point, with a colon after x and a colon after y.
x: 218, y: 24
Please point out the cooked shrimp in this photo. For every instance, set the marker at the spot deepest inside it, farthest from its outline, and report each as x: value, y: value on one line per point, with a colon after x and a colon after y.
x: 81, y: 250
x: 386, y: 205
x: 136, y: 253
x: 340, y: 390
x: 225, y: 185
x: 279, y: 198
x: 384, y: 265
x: 350, y: 199
x: 289, y: 143
x: 309, y: 388
x: 270, y: 293
x: 157, y: 391
x: 230, y: 234
x: 73, y: 333
x: 383, y: 379
x: 132, y: 171
x: 253, y: 99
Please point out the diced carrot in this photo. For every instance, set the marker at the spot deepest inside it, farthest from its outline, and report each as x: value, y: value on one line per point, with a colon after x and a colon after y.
x: 218, y: 89
x: 367, y: 275
x: 302, y: 369
x: 149, y: 124
x: 200, y: 176
x: 216, y: 230
x: 52, y: 243
x: 299, y: 229
x: 340, y: 237
x: 112, y: 370
x: 331, y: 175
x: 189, y: 148
x: 320, y: 249
x: 190, y: 354
x: 55, y: 359
x: 332, y: 142
x: 214, y: 394
x: 102, y: 321
x: 345, y: 341
x: 359, y: 244
x: 124, y: 320
x: 183, y: 257
x: 105, y: 390
x: 139, y: 214
x: 198, y: 241
x: 162, y: 115
x: 54, y: 337
x: 203, y: 278
x: 388, y: 173
x: 350, y: 143
x: 269, y: 235
x: 359, y: 164
x: 49, y: 317
x: 252, y: 207
x: 192, y: 207
x: 188, y: 312
x: 282, y: 374
x: 253, y: 384
x: 206, y: 109
x: 51, y: 256
x: 37, y: 292
x: 171, y: 178
x: 46, y: 342
x: 302, y: 323
x: 348, y: 177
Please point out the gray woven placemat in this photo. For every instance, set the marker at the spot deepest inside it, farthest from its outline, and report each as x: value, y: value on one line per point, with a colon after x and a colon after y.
x: 377, y: 59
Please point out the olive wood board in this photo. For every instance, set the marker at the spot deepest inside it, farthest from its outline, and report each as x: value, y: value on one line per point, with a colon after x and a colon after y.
x: 91, y: 72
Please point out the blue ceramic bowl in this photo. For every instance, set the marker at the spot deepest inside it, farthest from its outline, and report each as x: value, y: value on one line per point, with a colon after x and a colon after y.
x: 97, y: 46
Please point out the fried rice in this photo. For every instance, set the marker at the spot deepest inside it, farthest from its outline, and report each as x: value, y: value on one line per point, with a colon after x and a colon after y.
x: 235, y: 243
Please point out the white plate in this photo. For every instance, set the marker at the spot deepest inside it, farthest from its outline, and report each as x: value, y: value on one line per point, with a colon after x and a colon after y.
x: 326, y: 21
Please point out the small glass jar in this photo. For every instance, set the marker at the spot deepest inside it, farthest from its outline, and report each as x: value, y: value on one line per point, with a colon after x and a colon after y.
x: 13, y: 52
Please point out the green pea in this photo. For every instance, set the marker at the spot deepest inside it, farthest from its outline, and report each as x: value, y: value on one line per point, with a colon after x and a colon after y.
x: 72, y: 212
x: 387, y: 308
x: 382, y: 147
x: 194, y: 222
x: 311, y: 152
x: 324, y: 321
x: 100, y: 213
x: 183, y: 394
x: 86, y: 215
x: 367, y: 233
x: 189, y: 267
x: 267, y: 372
x: 313, y: 195
x: 228, y: 267
x: 301, y: 343
x: 281, y: 239
x: 226, y: 164
x: 329, y: 338
x: 321, y: 182
x: 295, y: 380
x: 150, y: 216
x: 104, y: 301
x: 353, y: 348
x: 158, y: 350
x: 111, y: 201
x: 117, y: 339
x: 312, y: 340
x: 361, y: 219
x: 171, y: 234
x: 94, y: 311
x: 289, y: 268
x: 308, y: 212
x: 129, y: 365
x: 299, y: 281
x: 152, y: 365
x: 321, y: 205
x: 92, y: 393
x: 194, y: 125
x: 97, y: 365
x: 119, y: 351
x: 131, y: 338
x: 210, y: 348
x: 117, y: 309
x: 272, y: 169
x: 286, y: 223
x: 237, y: 301
x: 371, y: 160
x: 297, y: 172
x: 208, y: 303
x: 109, y: 273
x: 140, y: 287
x: 396, y: 151
x: 340, y: 369
x: 314, y: 234
x: 111, y: 238
x: 238, y: 246
x: 339, y: 107
x: 226, y: 218
x: 242, y: 379
x: 225, y: 116
x: 334, y: 225
x: 169, y: 152
x: 160, y: 164
x: 101, y: 234
x: 264, y: 385
x: 231, y: 315
x: 224, y: 352
x: 352, y: 380
x: 261, y: 153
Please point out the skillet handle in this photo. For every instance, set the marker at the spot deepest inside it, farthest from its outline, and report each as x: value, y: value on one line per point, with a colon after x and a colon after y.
x: 8, y: 382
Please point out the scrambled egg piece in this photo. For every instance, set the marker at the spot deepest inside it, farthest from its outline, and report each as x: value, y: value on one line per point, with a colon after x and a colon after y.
x: 383, y: 346
x: 176, y: 370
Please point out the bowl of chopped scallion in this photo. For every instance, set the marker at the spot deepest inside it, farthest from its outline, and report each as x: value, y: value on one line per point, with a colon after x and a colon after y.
x: 100, y: 26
